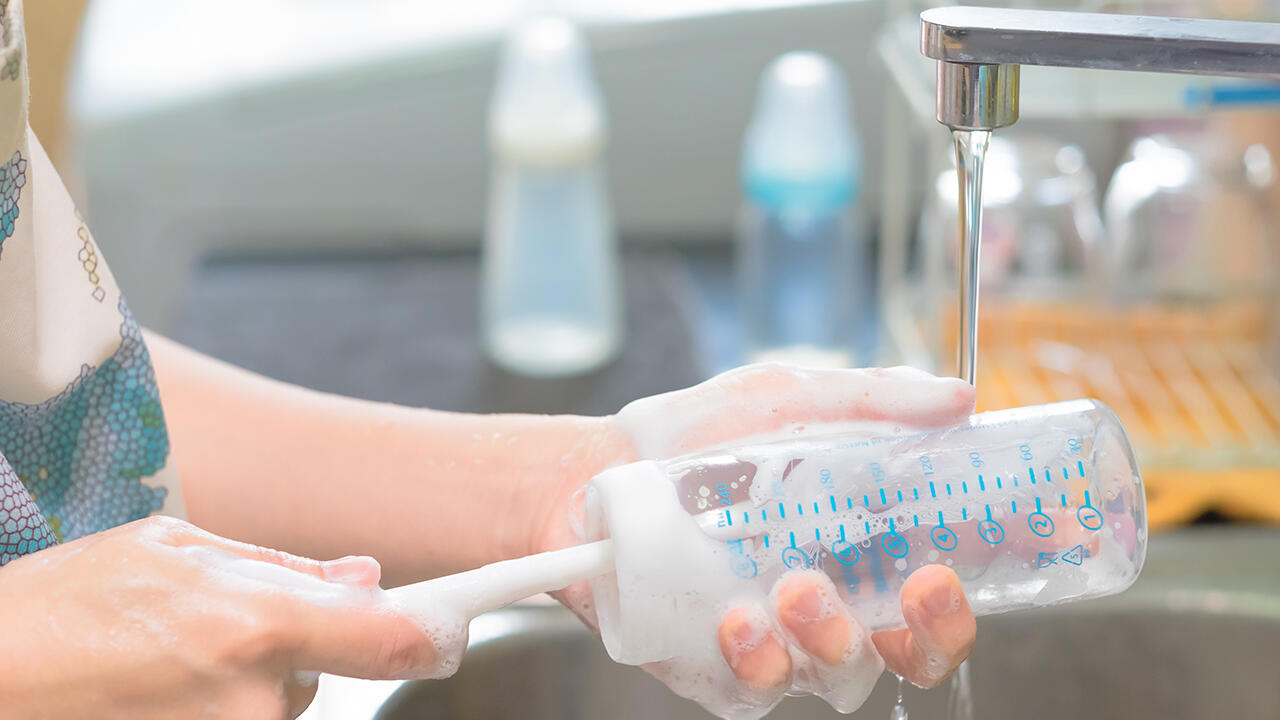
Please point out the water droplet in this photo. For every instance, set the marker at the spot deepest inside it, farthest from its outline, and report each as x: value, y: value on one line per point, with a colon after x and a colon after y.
x: 960, y: 702
x: 899, y: 711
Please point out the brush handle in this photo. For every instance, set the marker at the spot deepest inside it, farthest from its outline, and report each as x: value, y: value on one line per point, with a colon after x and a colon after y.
x: 499, y: 584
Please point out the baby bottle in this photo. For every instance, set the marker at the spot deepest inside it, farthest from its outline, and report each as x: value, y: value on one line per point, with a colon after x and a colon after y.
x: 551, y: 304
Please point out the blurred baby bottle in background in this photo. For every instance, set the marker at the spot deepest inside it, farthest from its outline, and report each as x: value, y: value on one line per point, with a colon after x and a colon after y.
x: 1188, y: 218
x: 551, y: 298
x: 804, y: 276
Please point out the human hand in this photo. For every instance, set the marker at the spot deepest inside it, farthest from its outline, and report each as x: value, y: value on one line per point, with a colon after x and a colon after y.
x: 159, y: 619
x: 807, y: 640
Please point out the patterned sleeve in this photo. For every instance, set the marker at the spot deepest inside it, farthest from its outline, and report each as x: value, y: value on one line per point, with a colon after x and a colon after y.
x: 83, y: 445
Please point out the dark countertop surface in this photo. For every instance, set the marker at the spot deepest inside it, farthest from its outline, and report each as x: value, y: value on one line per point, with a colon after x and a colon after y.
x: 403, y: 328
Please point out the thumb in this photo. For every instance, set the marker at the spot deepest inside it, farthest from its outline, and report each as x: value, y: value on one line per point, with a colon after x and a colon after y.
x: 772, y: 398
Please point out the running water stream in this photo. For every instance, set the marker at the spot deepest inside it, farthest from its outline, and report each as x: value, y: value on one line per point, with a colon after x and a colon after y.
x: 971, y: 153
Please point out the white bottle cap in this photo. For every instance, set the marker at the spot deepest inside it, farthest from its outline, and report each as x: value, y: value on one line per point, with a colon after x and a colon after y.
x: 799, y: 149
x: 546, y: 109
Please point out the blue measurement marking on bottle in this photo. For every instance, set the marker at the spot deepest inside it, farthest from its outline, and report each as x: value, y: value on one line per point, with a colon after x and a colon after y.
x: 998, y: 485
x: 795, y: 558
x: 1015, y: 481
x: 894, y: 544
x: 764, y: 516
x: 1032, y: 473
x: 746, y: 517
x: 800, y: 508
x: 948, y: 489
x: 1064, y: 499
x: 964, y: 513
x: 766, y: 540
x: 1014, y: 505
x: 916, y: 493
x: 846, y: 553
x: 988, y: 514
x: 1039, y: 523
x: 943, y: 537
x: 899, y: 496
x: 833, y: 504
x: 866, y: 500
x: 964, y: 487
x: 850, y: 501
x: 793, y: 538
x: 867, y: 526
x: 883, y: 501
x: 815, y: 508
x: 990, y: 530
x: 916, y: 520
x: 1064, y: 473
x: 933, y: 492
x: 981, y: 485
x: 782, y: 511
x: 728, y: 517
x: 1080, y: 467
x: 816, y: 535
x: 842, y: 532
x: 1088, y: 515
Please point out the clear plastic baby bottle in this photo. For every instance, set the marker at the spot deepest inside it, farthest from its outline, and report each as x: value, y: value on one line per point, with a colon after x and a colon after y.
x: 551, y: 303
x: 804, y: 275
x: 1030, y: 506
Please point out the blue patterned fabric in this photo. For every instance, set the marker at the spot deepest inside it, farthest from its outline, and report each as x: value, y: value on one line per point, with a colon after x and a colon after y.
x: 22, y: 528
x: 13, y: 177
x: 82, y: 455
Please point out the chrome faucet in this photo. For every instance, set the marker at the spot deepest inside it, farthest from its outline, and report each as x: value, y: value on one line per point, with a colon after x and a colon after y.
x: 979, y: 51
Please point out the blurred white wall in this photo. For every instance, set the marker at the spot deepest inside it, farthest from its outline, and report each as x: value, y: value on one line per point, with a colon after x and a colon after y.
x: 195, y: 134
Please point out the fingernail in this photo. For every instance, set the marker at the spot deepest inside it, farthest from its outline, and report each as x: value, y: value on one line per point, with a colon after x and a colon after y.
x: 756, y: 656
x: 807, y: 604
x: 941, y: 600
x: 748, y: 635
x: 352, y: 570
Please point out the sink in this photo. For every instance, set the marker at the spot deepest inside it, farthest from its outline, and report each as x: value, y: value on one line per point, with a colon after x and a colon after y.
x: 1197, y: 637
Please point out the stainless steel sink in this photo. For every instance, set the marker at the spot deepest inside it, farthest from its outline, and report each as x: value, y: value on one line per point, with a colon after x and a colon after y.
x: 1198, y: 637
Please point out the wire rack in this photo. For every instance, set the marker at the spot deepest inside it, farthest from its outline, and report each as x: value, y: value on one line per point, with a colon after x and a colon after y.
x: 1197, y: 388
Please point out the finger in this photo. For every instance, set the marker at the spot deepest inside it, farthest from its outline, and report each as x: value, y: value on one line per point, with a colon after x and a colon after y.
x: 843, y: 665
x: 366, y: 635
x: 356, y: 570
x: 809, y: 609
x: 751, y: 646
x: 940, y: 628
x: 771, y: 398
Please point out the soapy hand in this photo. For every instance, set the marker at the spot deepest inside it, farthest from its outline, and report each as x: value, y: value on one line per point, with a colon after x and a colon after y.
x: 806, y: 641
x: 158, y: 619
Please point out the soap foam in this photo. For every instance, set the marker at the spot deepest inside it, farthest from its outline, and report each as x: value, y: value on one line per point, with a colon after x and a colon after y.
x: 675, y: 580
x: 773, y: 401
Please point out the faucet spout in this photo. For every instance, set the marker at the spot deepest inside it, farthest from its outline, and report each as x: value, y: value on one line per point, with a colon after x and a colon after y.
x: 977, y: 96
x: 979, y: 50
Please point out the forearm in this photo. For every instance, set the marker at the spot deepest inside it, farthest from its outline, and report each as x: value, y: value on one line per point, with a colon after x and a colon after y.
x: 320, y: 475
